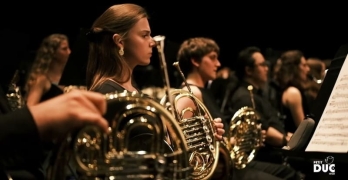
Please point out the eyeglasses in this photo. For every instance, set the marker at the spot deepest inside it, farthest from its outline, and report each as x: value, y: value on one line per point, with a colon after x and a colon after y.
x: 263, y: 64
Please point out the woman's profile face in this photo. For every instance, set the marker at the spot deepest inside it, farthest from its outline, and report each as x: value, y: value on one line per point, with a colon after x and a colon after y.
x: 303, y: 69
x: 63, y: 51
x: 139, y: 44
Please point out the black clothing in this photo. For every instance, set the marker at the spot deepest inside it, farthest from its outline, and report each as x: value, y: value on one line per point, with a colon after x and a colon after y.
x: 140, y: 137
x: 289, y: 123
x: 269, y: 116
x: 21, y: 151
x: 256, y: 170
x: 51, y: 93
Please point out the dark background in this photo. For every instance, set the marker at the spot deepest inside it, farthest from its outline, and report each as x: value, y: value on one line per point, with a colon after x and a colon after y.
x: 318, y: 29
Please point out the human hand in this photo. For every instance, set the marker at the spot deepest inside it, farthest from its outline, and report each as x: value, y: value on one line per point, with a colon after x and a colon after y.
x: 263, y: 135
x: 64, y: 113
x: 219, y: 128
x: 288, y: 136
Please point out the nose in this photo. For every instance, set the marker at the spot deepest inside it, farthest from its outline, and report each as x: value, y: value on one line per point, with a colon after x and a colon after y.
x: 152, y: 43
x: 218, y: 64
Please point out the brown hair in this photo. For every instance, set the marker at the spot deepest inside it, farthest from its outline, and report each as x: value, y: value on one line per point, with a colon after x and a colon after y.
x: 104, y: 61
x: 195, y: 48
x: 288, y: 73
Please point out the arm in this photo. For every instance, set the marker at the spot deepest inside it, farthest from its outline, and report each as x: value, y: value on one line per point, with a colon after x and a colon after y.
x: 22, y: 131
x: 37, y: 90
x: 293, y: 100
x: 276, y: 135
x: 184, y: 103
x: 19, y: 135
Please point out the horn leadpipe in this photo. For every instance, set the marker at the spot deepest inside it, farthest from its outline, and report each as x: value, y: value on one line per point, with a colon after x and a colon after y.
x: 250, y: 88
x: 176, y: 64
x: 159, y: 40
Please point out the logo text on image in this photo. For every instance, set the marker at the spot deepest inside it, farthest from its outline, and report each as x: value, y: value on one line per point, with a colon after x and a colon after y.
x: 326, y: 166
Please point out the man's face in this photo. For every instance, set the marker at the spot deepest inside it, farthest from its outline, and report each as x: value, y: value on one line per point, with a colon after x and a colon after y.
x: 260, y: 69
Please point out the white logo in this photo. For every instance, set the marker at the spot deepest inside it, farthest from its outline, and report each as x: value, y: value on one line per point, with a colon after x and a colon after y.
x: 327, y: 167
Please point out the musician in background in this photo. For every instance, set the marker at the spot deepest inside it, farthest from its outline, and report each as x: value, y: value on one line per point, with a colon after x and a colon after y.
x: 251, y: 69
x: 292, y: 78
x: 198, y: 59
x: 23, y: 131
x: 47, y: 69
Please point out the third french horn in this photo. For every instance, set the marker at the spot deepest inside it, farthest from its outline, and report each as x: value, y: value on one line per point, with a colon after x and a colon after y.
x: 245, y: 130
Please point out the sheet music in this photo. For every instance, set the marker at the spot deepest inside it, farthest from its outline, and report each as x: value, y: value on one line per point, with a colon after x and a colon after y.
x: 331, y: 134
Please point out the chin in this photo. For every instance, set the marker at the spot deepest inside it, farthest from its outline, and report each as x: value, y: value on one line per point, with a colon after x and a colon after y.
x: 145, y: 63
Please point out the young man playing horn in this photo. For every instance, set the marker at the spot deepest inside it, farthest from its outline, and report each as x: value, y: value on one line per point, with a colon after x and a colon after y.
x: 198, y: 59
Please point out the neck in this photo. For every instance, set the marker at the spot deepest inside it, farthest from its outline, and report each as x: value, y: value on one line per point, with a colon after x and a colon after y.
x: 128, y: 85
x: 252, y: 82
x: 196, y: 79
x: 55, y: 70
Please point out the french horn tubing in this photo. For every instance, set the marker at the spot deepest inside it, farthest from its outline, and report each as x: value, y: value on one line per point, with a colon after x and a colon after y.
x: 245, y: 130
x: 96, y: 155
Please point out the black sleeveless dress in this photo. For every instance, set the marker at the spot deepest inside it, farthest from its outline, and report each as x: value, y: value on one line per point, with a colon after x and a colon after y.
x: 289, y: 123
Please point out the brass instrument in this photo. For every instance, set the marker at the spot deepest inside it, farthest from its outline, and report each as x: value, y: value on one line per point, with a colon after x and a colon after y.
x: 101, y: 156
x: 14, y: 95
x: 199, y: 130
x: 245, y: 129
x: 224, y: 169
x: 71, y: 87
x: 155, y: 92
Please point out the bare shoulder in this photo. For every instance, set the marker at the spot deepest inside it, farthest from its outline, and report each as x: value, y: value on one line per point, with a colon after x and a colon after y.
x: 292, y: 91
x: 195, y: 90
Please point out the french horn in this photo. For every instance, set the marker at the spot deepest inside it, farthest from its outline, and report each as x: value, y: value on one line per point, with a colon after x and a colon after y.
x: 14, y: 94
x: 96, y: 155
x: 198, y: 130
x: 245, y: 130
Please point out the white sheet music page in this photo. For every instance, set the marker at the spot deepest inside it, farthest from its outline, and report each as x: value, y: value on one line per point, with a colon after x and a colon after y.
x: 331, y: 134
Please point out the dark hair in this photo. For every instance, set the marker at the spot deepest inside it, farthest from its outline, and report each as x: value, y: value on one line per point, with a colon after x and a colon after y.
x: 104, y: 61
x: 288, y: 74
x: 245, y: 59
x: 195, y: 48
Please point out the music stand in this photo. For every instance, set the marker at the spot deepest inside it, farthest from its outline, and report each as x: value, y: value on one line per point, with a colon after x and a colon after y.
x: 75, y: 69
x: 320, y: 104
x: 328, y: 84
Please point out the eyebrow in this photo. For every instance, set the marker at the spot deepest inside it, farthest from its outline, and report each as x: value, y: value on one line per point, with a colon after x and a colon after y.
x: 147, y: 31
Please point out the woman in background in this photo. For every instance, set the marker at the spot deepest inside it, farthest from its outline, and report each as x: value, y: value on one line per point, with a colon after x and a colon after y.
x: 47, y: 68
x: 292, y: 78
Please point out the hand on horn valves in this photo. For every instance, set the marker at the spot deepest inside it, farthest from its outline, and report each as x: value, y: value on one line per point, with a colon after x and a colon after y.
x: 219, y: 128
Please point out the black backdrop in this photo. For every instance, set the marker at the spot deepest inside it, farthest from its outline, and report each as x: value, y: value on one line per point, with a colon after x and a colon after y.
x: 317, y: 29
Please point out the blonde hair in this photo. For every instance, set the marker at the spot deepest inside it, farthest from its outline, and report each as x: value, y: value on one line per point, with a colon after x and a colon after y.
x: 44, y: 57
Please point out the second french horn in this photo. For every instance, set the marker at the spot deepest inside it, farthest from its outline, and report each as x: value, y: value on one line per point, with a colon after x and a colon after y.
x: 198, y: 129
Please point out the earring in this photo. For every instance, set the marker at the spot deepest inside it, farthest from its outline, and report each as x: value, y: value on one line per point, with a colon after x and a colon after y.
x: 121, y: 52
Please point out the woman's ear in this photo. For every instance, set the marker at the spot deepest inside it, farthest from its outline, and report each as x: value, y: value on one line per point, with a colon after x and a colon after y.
x: 194, y: 62
x: 118, y: 40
